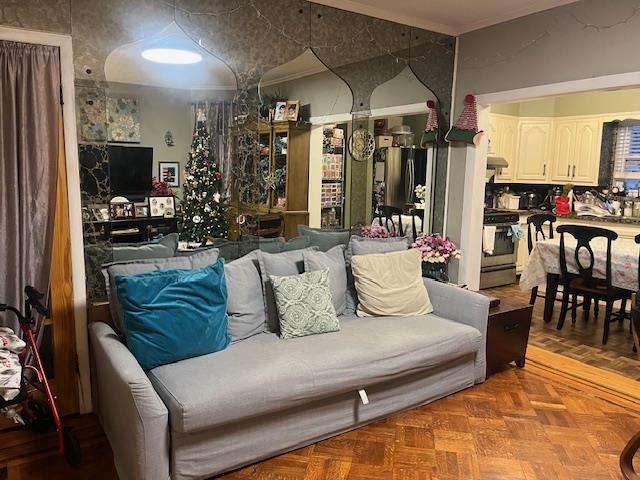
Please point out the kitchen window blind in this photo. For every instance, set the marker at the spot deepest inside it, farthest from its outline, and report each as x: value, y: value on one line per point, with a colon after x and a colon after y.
x: 626, y: 154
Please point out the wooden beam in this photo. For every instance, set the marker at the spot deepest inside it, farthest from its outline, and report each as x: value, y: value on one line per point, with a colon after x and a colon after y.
x: 61, y: 301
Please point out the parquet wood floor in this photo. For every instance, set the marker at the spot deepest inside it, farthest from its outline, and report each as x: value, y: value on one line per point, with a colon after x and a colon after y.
x: 582, y: 341
x: 520, y: 424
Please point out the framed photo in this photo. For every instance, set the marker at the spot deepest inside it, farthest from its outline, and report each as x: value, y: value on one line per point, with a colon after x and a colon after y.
x: 142, y: 211
x: 293, y: 109
x: 169, y: 172
x: 100, y: 213
x: 162, y: 207
x: 121, y: 211
x: 281, y: 112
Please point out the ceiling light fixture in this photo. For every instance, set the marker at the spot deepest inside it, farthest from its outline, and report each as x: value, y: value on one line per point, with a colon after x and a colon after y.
x: 172, y: 56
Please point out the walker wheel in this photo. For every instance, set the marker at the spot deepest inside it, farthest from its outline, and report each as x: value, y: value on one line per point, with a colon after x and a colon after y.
x: 38, y: 417
x: 72, y: 451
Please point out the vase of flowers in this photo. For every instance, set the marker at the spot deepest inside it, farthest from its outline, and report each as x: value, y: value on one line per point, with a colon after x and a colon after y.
x: 436, y: 251
x: 421, y: 194
x: 376, y: 231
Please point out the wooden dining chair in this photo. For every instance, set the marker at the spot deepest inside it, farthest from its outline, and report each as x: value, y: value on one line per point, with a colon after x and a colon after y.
x: 416, y: 213
x: 626, y: 458
x: 584, y: 283
x: 535, y: 233
x: 385, y: 217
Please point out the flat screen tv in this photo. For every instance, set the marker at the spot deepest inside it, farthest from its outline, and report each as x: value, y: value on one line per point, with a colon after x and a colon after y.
x: 130, y: 170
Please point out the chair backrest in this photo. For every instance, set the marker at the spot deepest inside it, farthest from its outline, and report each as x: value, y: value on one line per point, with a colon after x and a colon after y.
x: 385, y: 216
x: 584, y: 236
x: 626, y: 457
x: 536, y: 222
x: 417, y: 213
x: 638, y: 242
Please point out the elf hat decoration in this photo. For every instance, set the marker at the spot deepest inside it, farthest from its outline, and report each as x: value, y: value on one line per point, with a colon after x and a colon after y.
x: 466, y: 128
x: 430, y: 134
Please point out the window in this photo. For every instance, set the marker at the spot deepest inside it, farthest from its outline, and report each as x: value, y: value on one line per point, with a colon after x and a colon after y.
x: 626, y: 155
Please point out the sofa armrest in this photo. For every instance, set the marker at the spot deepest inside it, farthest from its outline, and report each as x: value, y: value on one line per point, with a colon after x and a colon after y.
x: 462, y: 306
x: 132, y: 414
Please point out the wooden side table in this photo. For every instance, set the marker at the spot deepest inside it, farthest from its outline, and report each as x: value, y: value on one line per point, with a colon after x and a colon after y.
x: 507, y: 334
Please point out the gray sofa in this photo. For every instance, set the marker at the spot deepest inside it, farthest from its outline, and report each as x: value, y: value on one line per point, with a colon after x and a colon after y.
x: 263, y: 396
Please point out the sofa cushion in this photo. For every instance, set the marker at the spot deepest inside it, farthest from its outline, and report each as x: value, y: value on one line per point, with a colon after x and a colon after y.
x: 277, y: 264
x: 304, y: 304
x: 170, y: 315
x: 264, y: 374
x: 324, y: 239
x: 245, y: 305
x: 164, y: 247
x: 390, y: 284
x: 296, y: 243
x: 135, y: 267
x: 334, y: 261
x: 366, y: 246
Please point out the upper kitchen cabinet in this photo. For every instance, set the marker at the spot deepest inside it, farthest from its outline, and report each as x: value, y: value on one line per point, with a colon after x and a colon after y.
x: 576, y: 150
x: 564, y: 146
x: 587, y: 150
x: 534, y: 150
x: 503, y: 132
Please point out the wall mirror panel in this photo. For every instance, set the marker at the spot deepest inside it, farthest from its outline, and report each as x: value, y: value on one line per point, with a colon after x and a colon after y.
x: 347, y: 71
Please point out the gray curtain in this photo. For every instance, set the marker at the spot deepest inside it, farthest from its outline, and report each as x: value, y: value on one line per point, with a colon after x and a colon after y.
x: 219, y: 119
x: 30, y: 115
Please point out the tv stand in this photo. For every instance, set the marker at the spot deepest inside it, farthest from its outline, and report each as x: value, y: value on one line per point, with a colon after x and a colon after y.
x: 134, y: 230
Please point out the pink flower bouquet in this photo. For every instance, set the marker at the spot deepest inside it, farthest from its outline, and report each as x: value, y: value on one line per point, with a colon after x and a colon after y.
x: 435, y: 248
x: 377, y: 231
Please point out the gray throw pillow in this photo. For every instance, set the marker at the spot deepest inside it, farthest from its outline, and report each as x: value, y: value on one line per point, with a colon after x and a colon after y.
x: 304, y: 304
x: 165, y: 247
x: 297, y: 243
x: 277, y: 264
x: 197, y: 260
x: 334, y: 261
x: 245, y: 306
x: 324, y: 239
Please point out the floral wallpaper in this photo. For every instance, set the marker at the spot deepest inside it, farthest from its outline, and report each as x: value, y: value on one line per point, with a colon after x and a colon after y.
x: 123, y: 120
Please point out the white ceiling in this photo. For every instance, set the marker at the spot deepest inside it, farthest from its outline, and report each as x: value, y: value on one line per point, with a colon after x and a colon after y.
x: 452, y: 17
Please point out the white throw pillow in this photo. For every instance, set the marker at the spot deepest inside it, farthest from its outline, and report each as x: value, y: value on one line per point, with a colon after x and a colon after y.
x: 390, y: 284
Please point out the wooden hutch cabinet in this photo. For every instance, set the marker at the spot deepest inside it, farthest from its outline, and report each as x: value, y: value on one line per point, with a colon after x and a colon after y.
x: 277, y: 179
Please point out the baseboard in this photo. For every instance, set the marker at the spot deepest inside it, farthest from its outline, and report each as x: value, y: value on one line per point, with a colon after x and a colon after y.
x: 606, y: 385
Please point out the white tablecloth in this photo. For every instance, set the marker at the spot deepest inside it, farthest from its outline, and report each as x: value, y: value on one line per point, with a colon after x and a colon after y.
x: 545, y: 258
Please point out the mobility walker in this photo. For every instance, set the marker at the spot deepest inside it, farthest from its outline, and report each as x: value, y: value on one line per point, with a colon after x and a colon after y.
x: 35, y: 414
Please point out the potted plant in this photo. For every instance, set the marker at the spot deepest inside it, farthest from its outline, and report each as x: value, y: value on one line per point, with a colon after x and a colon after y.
x: 436, y: 251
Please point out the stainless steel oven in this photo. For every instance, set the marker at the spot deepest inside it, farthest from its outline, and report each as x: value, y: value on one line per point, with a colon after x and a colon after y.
x: 499, y: 267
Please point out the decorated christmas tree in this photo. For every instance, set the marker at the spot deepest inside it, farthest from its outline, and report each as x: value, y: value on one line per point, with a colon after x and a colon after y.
x: 204, y: 205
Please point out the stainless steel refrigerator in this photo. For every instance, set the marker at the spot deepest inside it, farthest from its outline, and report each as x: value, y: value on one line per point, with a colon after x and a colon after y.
x: 397, y: 173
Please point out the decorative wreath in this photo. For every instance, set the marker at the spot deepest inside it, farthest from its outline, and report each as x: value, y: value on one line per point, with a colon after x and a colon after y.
x: 361, y: 145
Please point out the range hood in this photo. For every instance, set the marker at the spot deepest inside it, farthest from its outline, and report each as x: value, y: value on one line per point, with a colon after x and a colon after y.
x: 493, y: 161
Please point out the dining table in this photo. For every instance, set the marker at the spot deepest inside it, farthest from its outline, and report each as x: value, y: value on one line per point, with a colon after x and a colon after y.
x: 544, y: 265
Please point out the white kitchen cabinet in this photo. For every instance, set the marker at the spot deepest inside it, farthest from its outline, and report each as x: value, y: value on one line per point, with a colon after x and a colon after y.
x: 586, y: 153
x: 564, y: 145
x: 503, y: 133
x: 534, y: 151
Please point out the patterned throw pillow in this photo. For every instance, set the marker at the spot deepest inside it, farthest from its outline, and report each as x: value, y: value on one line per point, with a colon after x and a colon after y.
x: 304, y: 304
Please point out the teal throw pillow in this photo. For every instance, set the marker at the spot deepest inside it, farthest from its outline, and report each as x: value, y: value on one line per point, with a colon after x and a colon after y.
x: 304, y: 304
x: 170, y: 315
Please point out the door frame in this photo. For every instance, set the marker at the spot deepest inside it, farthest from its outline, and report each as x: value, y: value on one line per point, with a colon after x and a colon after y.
x: 476, y: 159
x: 64, y: 43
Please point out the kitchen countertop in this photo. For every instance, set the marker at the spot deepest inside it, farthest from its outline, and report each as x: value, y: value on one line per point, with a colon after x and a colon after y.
x: 588, y: 218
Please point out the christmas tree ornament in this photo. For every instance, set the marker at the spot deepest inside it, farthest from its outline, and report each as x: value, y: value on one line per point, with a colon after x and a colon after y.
x: 466, y: 128
x: 430, y: 134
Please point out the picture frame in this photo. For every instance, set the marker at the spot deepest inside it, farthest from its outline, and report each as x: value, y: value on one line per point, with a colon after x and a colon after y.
x: 293, y: 110
x: 142, y: 211
x: 121, y: 210
x: 100, y: 213
x: 169, y: 172
x: 162, y: 207
x: 280, y: 113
